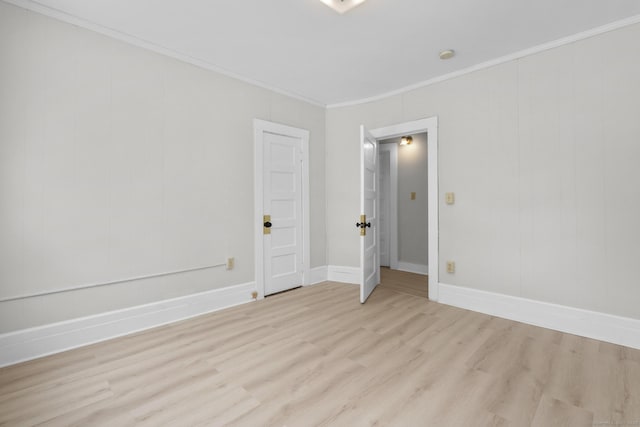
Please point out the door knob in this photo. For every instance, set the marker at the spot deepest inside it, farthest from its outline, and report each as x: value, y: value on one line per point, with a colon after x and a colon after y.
x: 363, y: 224
x: 266, y: 224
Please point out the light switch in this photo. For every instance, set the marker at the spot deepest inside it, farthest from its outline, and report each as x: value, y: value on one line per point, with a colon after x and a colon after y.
x: 449, y: 198
x: 413, y: 195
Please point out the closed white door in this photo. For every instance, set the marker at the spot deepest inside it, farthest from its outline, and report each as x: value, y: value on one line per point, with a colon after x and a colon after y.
x: 369, y: 262
x: 282, y: 208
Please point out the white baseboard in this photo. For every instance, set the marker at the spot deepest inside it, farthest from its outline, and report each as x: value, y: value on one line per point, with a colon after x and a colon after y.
x: 317, y: 275
x: 336, y: 273
x: 413, y: 268
x: 600, y: 326
x: 40, y: 341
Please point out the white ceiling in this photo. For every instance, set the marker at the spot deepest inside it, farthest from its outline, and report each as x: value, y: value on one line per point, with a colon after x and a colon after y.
x: 304, y: 48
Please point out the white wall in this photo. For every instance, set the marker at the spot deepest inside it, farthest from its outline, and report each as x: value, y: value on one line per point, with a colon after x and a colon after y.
x: 542, y: 154
x: 413, y: 231
x: 118, y: 162
x: 385, y: 201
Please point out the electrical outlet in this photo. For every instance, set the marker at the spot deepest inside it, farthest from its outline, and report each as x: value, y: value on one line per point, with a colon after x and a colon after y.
x: 450, y: 198
x: 451, y: 267
x: 413, y: 195
x: 230, y: 263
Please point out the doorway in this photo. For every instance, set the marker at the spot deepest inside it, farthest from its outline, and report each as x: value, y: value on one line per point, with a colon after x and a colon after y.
x: 281, y: 207
x: 429, y: 127
x: 403, y: 216
x: 404, y: 282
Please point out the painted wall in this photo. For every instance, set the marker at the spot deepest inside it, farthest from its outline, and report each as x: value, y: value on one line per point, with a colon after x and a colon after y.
x: 542, y: 154
x: 384, y: 211
x: 116, y: 162
x: 413, y: 231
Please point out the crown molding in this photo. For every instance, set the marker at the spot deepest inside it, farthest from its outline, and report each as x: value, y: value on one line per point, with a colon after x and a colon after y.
x: 129, y: 39
x: 497, y: 61
x: 144, y: 44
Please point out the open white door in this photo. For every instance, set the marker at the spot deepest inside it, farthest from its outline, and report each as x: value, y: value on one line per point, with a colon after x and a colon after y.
x: 368, y: 224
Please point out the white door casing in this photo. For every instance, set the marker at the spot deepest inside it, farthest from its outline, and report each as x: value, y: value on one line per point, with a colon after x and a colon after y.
x: 281, y: 191
x: 430, y: 126
x: 369, y: 243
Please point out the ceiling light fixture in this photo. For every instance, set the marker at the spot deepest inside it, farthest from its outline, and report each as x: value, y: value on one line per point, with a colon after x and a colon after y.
x: 406, y: 140
x: 447, y: 54
x: 342, y: 6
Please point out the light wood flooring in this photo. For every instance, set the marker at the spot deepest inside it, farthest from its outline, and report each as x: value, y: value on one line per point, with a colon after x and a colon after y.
x: 402, y: 281
x: 316, y: 356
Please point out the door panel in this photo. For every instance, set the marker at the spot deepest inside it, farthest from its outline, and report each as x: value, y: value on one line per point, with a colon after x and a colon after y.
x: 369, y: 263
x: 282, y: 191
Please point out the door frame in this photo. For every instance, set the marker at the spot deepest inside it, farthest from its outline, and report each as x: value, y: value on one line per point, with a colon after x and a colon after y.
x: 430, y: 126
x: 259, y: 128
x: 393, y: 200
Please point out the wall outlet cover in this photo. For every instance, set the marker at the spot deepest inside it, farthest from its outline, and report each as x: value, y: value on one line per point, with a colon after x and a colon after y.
x: 451, y: 267
x: 450, y: 198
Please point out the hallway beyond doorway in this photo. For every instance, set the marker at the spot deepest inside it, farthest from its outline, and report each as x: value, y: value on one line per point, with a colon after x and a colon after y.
x: 404, y: 282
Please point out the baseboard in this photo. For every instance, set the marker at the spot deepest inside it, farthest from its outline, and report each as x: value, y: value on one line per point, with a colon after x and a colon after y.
x: 317, y: 275
x: 413, y: 268
x: 336, y: 273
x: 32, y: 343
x: 600, y: 326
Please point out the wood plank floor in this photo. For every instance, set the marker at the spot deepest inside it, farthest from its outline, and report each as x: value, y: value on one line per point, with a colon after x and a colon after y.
x: 402, y: 281
x: 315, y: 356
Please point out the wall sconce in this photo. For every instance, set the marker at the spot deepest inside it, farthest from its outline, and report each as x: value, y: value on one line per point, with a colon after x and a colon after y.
x: 406, y: 140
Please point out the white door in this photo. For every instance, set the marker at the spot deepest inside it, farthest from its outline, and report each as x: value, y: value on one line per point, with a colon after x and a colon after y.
x: 369, y: 263
x: 282, y: 212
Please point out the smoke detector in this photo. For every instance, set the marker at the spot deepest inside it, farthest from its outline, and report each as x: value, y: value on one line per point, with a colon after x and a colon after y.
x: 447, y: 54
x: 342, y: 6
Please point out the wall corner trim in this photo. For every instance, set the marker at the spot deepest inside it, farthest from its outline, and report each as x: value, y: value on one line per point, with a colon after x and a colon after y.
x: 342, y: 274
x: 591, y: 324
x: 32, y: 343
x: 317, y: 275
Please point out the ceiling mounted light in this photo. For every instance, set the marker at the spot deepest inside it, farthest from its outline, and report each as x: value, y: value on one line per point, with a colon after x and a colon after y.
x: 406, y: 140
x: 342, y: 6
x: 447, y: 54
